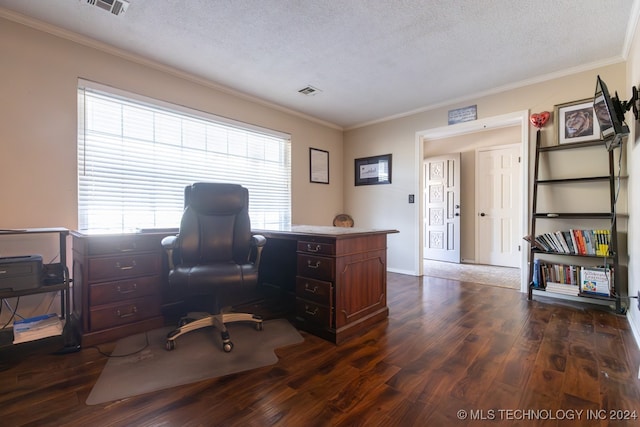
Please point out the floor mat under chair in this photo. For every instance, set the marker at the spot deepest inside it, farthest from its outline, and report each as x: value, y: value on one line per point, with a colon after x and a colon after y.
x: 198, y: 356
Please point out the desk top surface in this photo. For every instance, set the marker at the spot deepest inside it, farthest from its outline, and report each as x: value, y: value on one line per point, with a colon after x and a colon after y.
x: 282, y: 230
x: 320, y: 230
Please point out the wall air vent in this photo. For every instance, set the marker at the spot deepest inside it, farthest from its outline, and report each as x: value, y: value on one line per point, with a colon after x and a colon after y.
x: 117, y: 7
x: 309, y: 90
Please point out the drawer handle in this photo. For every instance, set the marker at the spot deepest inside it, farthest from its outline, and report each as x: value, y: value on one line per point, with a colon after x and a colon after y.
x: 312, y: 249
x: 128, y: 291
x: 133, y: 312
x: 128, y: 249
x: 126, y: 267
x: 310, y: 313
x: 316, y: 265
x: 308, y: 289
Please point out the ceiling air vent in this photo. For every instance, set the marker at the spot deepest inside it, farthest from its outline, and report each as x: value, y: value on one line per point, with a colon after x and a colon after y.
x: 117, y: 7
x: 309, y: 90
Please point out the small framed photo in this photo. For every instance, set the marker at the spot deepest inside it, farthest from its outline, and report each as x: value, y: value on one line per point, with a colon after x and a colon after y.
x: 576, y: 122
x: 373, y: 170
x: 318, y: 166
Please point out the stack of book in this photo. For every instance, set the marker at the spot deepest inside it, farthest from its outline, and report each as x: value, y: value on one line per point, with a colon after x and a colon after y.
x: 563, y: 288
x: 35, y: 328
x: 574, y: 242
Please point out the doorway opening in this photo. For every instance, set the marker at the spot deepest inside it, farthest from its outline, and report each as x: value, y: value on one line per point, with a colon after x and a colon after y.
x: 470, y: 138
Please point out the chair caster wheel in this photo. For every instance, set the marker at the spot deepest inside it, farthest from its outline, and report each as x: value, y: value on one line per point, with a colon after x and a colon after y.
x: 259, y: 326
x: 227, y: 347
x: 170, y: 345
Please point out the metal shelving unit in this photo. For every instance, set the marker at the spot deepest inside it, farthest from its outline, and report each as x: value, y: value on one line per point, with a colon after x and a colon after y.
x: 62, y: 285
x: 599, y: 217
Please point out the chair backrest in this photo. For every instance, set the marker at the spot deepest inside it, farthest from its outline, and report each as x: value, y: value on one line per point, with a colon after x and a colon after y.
x: 215, y: 225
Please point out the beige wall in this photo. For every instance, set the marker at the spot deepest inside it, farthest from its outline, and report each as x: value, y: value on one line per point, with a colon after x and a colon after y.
x: 39, y: 76
x: 386, y: 205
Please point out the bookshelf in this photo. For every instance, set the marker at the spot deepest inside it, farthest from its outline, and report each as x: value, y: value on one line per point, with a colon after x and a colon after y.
x: 576, y: 255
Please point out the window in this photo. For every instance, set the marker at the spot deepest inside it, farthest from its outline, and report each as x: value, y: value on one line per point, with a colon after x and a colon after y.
x: 135, y: 158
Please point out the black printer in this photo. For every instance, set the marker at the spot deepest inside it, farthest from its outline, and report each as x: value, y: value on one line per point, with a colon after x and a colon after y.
x: 18, y: 273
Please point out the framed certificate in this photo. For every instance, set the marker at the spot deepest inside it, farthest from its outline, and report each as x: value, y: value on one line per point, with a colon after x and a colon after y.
x: 318, y: 166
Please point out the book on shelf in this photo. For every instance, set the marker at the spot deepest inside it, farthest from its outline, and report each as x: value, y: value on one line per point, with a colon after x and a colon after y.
x: 563, y: 243
x: 35, y: 328
x: 570, y: 242
x: 596, y: 281
x: 603, y: 238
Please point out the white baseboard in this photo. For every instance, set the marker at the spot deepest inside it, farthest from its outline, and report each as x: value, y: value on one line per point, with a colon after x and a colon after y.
x: 407, y: 272
x: 635, y: 329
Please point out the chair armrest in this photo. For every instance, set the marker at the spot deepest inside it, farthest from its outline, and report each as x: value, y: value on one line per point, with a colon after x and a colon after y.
x: 170, y: 243
x: 258, y: 241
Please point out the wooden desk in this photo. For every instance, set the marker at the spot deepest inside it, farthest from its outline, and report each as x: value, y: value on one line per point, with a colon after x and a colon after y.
x: 337, y: 276
x: 333, y: 280
x: 119, y: 284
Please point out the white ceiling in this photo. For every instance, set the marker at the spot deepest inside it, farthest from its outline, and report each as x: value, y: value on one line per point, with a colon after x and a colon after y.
x: 371, y: 59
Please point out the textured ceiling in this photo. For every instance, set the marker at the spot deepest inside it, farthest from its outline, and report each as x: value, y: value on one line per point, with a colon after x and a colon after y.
x: 371, y: 59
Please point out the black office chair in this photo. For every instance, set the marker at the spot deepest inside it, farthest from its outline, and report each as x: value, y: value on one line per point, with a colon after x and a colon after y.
x: 214, y: 254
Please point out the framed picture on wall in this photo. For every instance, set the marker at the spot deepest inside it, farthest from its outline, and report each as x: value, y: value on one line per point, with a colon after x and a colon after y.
x: 318, y: 166
x: 576, y: 122
x: 373, y: 170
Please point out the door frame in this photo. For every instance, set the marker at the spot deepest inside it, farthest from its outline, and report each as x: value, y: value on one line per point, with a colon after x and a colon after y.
x: 518, y: 118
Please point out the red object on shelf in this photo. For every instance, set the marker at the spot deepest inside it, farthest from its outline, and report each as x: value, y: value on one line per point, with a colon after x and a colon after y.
x: 539, y: 119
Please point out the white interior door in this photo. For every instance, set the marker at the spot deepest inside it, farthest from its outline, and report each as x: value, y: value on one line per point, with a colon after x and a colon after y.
x: 442, y: 208
x: 499, y: 206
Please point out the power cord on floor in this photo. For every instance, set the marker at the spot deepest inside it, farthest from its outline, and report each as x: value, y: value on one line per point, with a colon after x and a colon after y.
x: 146, y: 339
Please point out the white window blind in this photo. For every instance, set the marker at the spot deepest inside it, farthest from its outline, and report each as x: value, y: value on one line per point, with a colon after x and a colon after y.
x: 136, y: 157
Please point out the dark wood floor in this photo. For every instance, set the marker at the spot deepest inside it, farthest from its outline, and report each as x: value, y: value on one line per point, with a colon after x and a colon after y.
x: 446, y: 347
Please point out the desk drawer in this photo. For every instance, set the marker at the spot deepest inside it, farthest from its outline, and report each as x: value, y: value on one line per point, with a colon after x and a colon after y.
x: 104, y: 293
x: 317, y: 248
x: 123, y: 244
x: 108, y: 316
x: 316, y: 267
x: 314, y: 290
x: 110, y: 268
x: 313, y: 313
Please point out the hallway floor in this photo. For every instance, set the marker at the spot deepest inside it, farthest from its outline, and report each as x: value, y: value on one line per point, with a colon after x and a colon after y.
x: 505, y: 277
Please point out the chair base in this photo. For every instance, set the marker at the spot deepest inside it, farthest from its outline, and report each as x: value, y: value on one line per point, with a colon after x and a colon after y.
x: 193, y: 321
